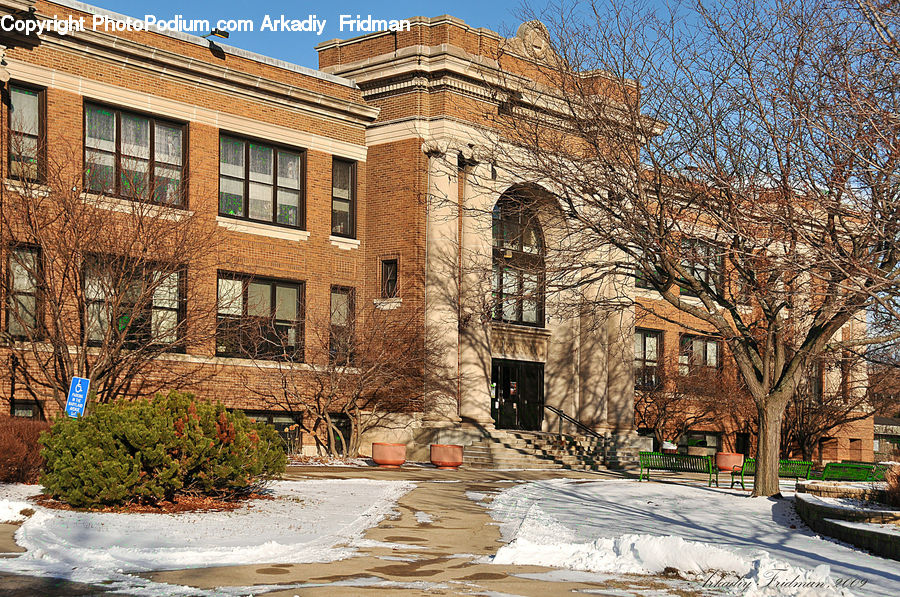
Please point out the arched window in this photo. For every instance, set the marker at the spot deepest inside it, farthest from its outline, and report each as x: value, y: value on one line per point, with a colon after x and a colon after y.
x: 518, y: 285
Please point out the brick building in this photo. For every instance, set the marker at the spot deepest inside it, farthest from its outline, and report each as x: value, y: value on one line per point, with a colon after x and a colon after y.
x: 385, y: 200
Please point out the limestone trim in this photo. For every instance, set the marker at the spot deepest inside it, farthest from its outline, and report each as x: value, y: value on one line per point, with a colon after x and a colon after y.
x: 520, y: 343
x: 233, y: 82
x: 182, y: 111
x: 31, y: 190
x: 233, y: 362
x: 262, y: 229
x: 388, y: 304
x: 163, y: 212
x: 414, y: 22
x: 345, y: 244
x: 450, y: 133
x: 199, y: 41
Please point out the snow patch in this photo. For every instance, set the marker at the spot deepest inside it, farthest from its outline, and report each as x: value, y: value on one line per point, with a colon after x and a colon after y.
x: 304, y: 523
x: 711, y: 536
x: 12, y: 511
x: 424, y: 518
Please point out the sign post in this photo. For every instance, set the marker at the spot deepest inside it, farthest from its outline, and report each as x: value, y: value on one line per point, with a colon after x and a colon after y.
x: 78, y: 391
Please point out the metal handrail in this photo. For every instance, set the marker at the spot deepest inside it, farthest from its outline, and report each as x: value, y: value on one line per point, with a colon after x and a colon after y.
x: 578, y: 424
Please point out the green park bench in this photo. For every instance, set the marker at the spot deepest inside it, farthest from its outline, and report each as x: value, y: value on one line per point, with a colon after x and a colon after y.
x: 878, y: 472
x: 787, y: 469
x: 677, y: 462
x: 848, y: 471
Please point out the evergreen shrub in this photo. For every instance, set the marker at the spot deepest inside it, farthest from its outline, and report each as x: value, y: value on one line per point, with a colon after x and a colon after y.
x: 147, y: 451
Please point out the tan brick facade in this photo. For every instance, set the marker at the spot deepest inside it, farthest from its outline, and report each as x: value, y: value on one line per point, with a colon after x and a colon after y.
x: 407, y: 108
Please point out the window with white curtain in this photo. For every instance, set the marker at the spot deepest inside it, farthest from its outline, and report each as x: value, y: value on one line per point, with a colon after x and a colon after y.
x: 22, y: 301
x: 133, y: 156
x: 260, y: 182
x: 25, y: 126
x: 142, y: 304
x: 343, y: 198
x: 259, y: 317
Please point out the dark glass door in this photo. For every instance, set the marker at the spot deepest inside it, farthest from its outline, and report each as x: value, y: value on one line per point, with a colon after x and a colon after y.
x: 518, y: 394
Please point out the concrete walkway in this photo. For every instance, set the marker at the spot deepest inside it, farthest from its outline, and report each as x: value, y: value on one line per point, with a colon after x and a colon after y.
x: 436, y: 544
x: 434, y: 547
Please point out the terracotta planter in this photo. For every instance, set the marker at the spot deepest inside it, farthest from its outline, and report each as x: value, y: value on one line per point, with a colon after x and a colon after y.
x: 388, y: 455
x: 670, y: 450
x: 726, y: 461
x: 446, y: 456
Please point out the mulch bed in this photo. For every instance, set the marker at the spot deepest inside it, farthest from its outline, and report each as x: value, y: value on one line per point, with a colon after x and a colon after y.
x: 181, y: 503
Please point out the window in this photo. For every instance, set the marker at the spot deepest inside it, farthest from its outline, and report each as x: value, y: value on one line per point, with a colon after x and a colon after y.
x: 26, y: 122
x: 133, y: 156
x: 855, y: 449
x: 389, y: 278
x: 342, y: 320
x: 647, y: 353
x: 518, y: 284
x: 26, y: 409
x: 698, y: 355
x: 22, y: 302
x: 816, y: 381
x: 141, y: 303
x: 261, y: 182
x: 703, y: 262
x: 259, y: 317
x: 343, y: 198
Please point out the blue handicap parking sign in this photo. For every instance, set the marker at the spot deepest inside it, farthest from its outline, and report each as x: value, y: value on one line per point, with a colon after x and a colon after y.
x: 78, y: 391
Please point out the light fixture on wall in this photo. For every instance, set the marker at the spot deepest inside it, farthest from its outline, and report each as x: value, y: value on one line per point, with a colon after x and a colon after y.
x: 216, y: 33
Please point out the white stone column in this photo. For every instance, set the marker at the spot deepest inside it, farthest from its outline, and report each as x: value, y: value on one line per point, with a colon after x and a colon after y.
x: 441, y: 291
x: 475, y: 325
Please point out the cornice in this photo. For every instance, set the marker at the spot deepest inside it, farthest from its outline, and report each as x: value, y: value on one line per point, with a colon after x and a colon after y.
x: 162, y: 63
x: 117, y: 50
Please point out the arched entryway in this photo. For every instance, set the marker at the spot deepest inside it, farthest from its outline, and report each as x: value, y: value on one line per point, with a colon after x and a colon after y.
x: 519, y: 277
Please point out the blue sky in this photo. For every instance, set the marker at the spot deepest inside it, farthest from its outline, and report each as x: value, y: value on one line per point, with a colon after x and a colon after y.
x: 297, y: 47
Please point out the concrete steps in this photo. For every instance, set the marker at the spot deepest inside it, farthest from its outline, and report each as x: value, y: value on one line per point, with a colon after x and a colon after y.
x: 534, y: 450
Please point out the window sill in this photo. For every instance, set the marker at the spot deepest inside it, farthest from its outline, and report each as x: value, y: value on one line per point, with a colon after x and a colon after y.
x: 270, y: 230
x: 136, y: 207
x: 32, y: 189
x: 386, y: 304
x: 344, y: 243
x: 520, y: 327
x: 235, y: 362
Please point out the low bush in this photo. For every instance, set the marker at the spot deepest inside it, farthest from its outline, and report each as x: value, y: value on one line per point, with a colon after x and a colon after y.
x: 147, y: 451
x: 20, y: 453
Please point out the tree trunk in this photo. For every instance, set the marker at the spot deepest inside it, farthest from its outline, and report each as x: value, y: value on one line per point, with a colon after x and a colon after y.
x: 769, y: 449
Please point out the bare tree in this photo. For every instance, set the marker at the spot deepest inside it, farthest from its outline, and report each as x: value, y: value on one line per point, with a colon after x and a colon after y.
x: 741, y: 160
x: 362, y: 364
x: 671, y: 404
x: 830, y: 397
x: 97, y: 284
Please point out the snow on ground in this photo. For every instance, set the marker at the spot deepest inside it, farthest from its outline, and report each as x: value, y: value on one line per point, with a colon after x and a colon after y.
x: 887, y: 529
x: 306, y: 522
x: 13, y: 499
x: 424, y: 517
x: 644, y: 528
x: 848, y: 503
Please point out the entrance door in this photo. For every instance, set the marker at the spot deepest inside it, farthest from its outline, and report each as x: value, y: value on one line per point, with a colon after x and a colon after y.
x: 518, y: 400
